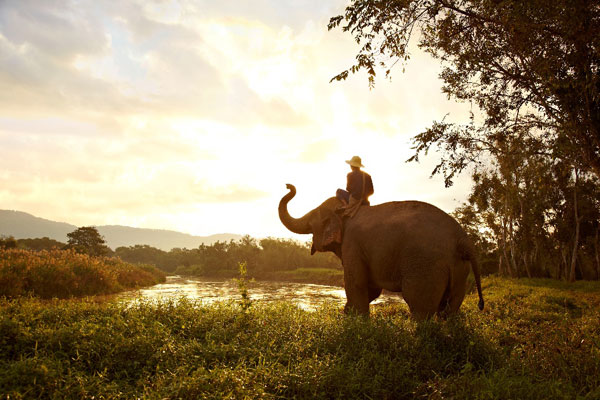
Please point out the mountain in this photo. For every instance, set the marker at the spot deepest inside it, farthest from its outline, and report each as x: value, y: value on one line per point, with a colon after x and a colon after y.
x: 22, y: 225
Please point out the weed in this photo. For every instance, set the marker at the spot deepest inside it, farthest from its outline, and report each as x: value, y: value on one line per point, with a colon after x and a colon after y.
x: 242, y: 284
x: 182, y: 349
x: 65, y: 273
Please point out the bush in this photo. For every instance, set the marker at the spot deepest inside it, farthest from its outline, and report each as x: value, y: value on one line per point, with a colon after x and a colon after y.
x: 8, y: 243
x: 534, y: 340
x: 195, y: 270
x: 65, y: 273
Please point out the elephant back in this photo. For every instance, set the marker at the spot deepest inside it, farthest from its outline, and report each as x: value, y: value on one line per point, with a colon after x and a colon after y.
x: 412, y: 211
x: 400, y: 223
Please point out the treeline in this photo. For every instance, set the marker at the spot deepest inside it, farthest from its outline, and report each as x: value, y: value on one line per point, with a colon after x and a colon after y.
x: 263, y: 257
x: 36, y: 244
x: 535, y: 214
x: 220, y: 259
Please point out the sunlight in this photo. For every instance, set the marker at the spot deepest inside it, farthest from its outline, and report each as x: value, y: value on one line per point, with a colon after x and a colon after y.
x: 149, y: 245
x: 193, y: 108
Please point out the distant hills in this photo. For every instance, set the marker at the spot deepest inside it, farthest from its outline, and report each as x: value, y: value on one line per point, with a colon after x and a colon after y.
x: 22, y: 225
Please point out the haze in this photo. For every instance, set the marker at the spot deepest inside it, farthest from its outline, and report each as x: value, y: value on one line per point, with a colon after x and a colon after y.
x: 193, y: 115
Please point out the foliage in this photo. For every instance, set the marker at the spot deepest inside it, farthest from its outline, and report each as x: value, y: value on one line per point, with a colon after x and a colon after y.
x: 538, y: 216
x: 482, y: 238
x: 531, y: 71
x: 144, y: 254
x: 44, y: 243
x: 242, y: 284
x: 265, y: 259
x: 531, y: 68
x: 88, y: 240
x: 8, y: 242
x: 321, y: 276
x: 65, y: 273
x: 536, y: 339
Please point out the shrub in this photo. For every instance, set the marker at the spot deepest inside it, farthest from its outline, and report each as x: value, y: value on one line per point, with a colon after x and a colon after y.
x: 65, y: 273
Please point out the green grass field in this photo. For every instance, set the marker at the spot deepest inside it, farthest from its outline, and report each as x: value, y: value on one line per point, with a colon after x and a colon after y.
x: 536, y: 339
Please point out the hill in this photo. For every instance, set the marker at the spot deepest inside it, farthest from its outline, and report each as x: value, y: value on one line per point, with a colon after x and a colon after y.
x: 22, y: 225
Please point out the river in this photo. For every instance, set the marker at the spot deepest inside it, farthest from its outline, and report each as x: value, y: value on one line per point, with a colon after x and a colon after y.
x: 305, y: 295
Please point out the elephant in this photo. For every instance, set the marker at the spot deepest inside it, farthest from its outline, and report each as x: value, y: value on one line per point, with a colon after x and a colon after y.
x: 401, y: 246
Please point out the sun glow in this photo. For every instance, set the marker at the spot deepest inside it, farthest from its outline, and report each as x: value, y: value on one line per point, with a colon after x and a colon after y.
x: 179, y: 116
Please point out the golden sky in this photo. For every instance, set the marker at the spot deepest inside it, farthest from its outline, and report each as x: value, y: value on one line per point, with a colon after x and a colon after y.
x: 193, y: 115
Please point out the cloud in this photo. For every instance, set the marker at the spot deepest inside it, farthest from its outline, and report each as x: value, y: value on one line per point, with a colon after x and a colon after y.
x: 318, y: 151
x: 32, y: 84
x: 134, y: 190
x: 48, y: 26
x: 114, y: 61
x: 293, y: 14
x: 162, y: 110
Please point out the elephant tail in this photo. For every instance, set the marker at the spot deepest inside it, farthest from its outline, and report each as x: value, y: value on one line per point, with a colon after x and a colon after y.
x: 470, y: 254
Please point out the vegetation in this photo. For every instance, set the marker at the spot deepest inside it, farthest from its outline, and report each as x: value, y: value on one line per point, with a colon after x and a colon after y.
x: 321, y: 276
x: 242, y: 284
x: 37, y: 244
x: 8, y: 242
x: 88, y: 240
x: 536, y: 339
x: 537, y: 217
x: 531, y: 71
x: 529, y: 66
x: 66, y: 273
x: 265, y: 259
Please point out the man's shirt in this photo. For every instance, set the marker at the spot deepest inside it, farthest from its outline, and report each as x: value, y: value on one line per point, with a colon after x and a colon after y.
x: 355, y: 184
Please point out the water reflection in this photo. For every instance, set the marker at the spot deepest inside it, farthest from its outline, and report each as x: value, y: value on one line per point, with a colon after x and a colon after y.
x: 304, y: 295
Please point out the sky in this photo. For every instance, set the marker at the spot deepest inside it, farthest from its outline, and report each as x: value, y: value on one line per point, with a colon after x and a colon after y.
x: 193, y: 115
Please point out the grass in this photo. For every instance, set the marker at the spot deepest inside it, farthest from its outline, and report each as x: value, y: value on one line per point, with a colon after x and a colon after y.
x: 534, y: 340
x: 65, y: 274
x: 320, y: 276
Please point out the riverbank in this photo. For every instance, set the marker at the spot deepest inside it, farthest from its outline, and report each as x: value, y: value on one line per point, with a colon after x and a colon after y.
x: 535, y: 339
x: 317, y: 276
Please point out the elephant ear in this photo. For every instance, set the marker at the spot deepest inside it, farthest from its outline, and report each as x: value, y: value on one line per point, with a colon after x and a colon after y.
x: 332, y: 232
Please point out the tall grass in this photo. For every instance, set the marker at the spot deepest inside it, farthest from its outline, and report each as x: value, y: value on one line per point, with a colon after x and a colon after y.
x: 532, y: 341
x: 65, y: 273
x: 322, y: 276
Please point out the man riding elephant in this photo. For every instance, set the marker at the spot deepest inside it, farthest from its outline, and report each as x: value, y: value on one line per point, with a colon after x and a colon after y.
x: 359, y: 187
x: 401, y: 246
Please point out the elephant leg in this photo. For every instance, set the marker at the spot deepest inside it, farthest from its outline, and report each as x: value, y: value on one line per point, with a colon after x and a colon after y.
x: 459, y: 287
x: 374, y: 292
x: 445, y: 302
x: 423, y: 294
x: 356, y: 286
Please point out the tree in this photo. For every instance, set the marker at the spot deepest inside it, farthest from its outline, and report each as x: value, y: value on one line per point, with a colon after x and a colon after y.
x: 144, y: 254
x: 8, y: 242
x: 37, y: 244
x: 482, y: 237
x: 88, y: 240
x: 532, y: 67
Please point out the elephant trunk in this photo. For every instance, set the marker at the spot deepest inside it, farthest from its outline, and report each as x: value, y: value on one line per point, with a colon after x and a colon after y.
x: 296, y: 225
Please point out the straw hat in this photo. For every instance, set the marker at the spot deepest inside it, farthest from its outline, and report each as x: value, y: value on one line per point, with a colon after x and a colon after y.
x: 355, y: 162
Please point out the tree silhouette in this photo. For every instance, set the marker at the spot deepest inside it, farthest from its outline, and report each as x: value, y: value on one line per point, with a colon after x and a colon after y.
x: 531, y: 67
x: 88, y: 240
x: 8, y: 242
